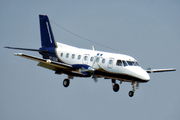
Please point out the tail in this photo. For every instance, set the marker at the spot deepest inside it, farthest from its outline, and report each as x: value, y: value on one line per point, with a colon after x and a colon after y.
x: 47, y: 37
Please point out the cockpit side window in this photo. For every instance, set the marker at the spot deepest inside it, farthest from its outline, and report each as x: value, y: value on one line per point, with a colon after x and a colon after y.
x: 119, y: 63
x: 130, y: 63
x: 125, y: 63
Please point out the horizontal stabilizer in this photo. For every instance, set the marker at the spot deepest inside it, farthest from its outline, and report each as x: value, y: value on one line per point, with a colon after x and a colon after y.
x: 37, y: 50
x: 160, y: 70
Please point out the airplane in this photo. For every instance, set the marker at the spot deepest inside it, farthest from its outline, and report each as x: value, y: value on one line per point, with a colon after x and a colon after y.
x: 80, y: 62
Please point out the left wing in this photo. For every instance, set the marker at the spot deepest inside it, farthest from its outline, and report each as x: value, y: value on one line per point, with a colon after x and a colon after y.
x: 75, y: 69
x: 160, y: 70
x: 46, y: 61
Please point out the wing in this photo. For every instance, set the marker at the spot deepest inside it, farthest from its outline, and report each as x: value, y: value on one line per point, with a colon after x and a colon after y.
x: 75, y: 69
x: 46, y: 62
x: 160, y: 70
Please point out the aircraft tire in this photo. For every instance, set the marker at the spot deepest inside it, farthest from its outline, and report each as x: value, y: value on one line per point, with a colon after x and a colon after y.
x: 66, y: 82
x: 131, y: 93
x: 116, y: 87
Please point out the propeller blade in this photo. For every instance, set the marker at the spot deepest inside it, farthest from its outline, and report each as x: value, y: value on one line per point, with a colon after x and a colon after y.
x: 94, y: 77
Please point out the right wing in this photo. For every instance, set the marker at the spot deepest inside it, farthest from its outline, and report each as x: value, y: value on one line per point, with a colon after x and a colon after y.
x: 160, y: 70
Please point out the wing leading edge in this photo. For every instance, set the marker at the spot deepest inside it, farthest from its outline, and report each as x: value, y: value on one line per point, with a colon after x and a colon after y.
x: 46, y: 61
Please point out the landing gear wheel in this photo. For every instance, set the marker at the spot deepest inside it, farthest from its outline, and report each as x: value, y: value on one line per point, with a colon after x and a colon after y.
x: 131, y: 93
x: 116, y: 87
x: 66, y: 82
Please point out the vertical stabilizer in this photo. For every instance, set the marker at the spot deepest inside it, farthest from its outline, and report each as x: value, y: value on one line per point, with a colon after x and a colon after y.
x: 47, y: 37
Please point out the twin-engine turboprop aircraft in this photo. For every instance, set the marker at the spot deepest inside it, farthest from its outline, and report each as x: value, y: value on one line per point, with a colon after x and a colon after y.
x: 78, y: 62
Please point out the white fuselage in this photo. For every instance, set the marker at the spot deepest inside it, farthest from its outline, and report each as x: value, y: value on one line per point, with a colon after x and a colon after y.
x: 106, y: 62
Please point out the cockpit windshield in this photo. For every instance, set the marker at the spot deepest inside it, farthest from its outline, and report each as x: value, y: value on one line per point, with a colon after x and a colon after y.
x: 130, y: 63
x: 126, y: 63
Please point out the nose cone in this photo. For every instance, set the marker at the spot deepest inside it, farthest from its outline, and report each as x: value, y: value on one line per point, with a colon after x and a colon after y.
x: 139, y: 73
x: 145, y: 75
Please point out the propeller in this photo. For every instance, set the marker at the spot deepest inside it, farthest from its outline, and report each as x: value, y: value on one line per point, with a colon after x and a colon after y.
x: 94, y: 77
x: 91, y: 70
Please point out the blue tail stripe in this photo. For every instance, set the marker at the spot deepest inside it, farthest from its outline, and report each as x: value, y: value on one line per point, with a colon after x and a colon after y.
x: 47, y: 37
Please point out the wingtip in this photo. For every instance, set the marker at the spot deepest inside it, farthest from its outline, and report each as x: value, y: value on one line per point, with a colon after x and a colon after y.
x: 18, y: 54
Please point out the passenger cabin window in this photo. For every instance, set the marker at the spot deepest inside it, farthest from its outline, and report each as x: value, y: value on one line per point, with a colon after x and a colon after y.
x: 92, y: 58
x: 103, y: 60
x: 79, y: 57
x: 61, y: 54
x: 119, y: 63
x: 97, y: 60
x: 85, y: 58
x: 67, y: 55
x: 111, y: 61
x: 73, y: 56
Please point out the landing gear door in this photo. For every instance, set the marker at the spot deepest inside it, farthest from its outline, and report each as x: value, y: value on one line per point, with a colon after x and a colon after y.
x: 110, y: 63
x: 85, y: 59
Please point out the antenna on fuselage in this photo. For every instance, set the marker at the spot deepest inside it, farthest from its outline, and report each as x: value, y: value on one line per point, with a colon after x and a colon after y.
x: 83, y: 38
x: 93, y: 48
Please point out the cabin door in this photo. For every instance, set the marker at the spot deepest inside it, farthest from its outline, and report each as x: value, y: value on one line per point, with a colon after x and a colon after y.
x: 110, y: 63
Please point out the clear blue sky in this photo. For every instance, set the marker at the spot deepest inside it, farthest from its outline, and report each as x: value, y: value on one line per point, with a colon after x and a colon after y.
x: 148, y: 31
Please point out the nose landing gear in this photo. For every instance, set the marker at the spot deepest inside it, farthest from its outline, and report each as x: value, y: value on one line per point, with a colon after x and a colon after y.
x: 131, y: 93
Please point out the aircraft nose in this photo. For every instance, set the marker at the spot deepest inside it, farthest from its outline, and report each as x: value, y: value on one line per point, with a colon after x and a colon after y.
x: 140, y: 73
x: 145, y: 75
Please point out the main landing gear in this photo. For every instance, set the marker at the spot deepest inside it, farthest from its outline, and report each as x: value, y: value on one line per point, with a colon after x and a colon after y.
x: 66, y: 82
x: 115, y: 85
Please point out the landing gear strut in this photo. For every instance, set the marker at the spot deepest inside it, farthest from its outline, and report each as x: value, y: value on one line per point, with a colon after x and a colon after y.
x: 131, y: 93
